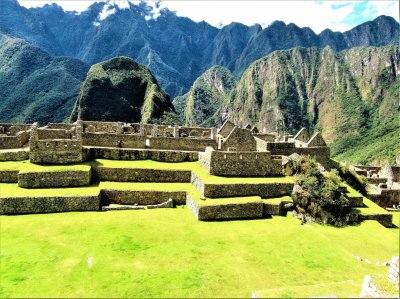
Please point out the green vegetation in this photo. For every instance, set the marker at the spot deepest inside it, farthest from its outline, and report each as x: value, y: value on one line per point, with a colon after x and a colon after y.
x: 120, y: 89
x: 35, y: 86
x: 168, y: 253
x: 320, y: 195
x: 202, y: 105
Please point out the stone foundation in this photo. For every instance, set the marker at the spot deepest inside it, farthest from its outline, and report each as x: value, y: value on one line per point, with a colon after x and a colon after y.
x: 140, y: 175
x: 50, y: 204
x: 132, y: 197
x: 236, y: 190
x: 91, y: 153
x: 50, y: 179
x: 9, y: 176
x: 245, y: 210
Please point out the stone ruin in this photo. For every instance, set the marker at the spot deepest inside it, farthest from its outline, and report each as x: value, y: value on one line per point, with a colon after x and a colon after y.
x: 229, y: 152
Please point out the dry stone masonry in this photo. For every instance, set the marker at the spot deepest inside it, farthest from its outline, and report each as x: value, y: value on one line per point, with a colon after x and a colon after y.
x: 230, y: 152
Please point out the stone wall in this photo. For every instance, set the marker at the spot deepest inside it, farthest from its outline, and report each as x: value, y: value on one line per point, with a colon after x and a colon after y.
x: 17, y: 141
x: 56, y: 151
x: 269, y: 137
x: 54, y: 133
x: 110, y: 140
x: 14, y: 155
x: 387, y: 198
x: 384, y: 219
x: 240, y: 163
x: 234, y: 190
x: 140, y: 175
x: 239, y: 140
x: 281, y: 148
x: 144, y: 197
x: 13, y: 129
x: 99, y: 126
x: 9, y: 176
x: 54, y: 179
x: 92, y: 153
x: 245, y: 210
x: 60, y: 126
x: 48, y: 204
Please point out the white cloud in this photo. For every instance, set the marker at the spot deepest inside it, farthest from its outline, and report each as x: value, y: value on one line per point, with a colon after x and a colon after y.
x: 318, y: 15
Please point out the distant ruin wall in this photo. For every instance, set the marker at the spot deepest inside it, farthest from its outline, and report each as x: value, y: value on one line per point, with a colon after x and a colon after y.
x: 48, y: 204
x: 54, y: 134
x: 56, y: 151
x: 188, y: 144
x: 140, y: 175
x: 9, y: 142
x: 110, y: 140
x: 240, y: 163
x: 281, y: 148
x: 92, y: 153
x: 387, y: 198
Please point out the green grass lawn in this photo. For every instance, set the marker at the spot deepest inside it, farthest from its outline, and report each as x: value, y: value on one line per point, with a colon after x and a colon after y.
x: 168, y: 253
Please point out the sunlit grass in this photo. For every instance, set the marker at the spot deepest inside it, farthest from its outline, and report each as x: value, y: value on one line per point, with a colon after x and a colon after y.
x: 168, y: 253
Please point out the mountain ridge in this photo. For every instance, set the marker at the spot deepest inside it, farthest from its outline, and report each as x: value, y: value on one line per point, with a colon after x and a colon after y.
x: 176, y: 49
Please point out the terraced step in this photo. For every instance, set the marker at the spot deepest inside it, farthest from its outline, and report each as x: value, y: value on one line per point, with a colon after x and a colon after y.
x: 115, y: 207
x: 143, y: 193
x: 217, y: 187
x: 37, y: 176
x: 250, y: 207
x: 141, y: 171
x: 17, y: 200
x: 16, y: 154
x: 371, y: 211
x: 277, y: 205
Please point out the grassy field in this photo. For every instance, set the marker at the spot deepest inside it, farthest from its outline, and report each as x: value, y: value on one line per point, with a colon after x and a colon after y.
x: 168, y: 253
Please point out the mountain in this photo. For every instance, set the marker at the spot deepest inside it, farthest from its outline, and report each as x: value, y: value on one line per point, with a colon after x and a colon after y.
x: 352, y: 97
x: 176, y: 49
x: 35, y: 86
x: 120, y: 89
x: 201, y: 105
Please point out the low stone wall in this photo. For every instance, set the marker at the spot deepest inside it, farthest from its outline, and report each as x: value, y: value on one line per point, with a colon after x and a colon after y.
x: 110, y: 140
x: 9, y: 176
x: 56, y: 151
x: 281, y: 148
x: 240, y: 163
x: 50, y: 204
x: 54, y: 179
x: 140, y: 175
x: 53, y: 134
x: 142, y: 197
x: 60, y: 126
x: 92, y: 153
x: 186, y: 144
x: 245, y: 210
x: 387, y: 198
x: 14, y: 155
x: 235, y: 190
x: 13, y: 129
x: 269, y: 137
x: 384, y: 219
x: 9, y: 142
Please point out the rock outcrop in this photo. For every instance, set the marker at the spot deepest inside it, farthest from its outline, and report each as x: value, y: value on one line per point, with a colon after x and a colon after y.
x: 120, y: 89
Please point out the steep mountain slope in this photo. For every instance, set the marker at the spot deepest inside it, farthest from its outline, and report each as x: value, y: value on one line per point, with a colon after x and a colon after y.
x: 177, y: 50
x: 351, y: 96
x: 35, y: 86
x: 348, y: 96
x: 120, y: 89
x: 201, y: 105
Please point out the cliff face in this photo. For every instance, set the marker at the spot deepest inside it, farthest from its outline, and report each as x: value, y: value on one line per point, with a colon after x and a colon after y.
x: 349, y: 96
x: 120, y: 89
x: 201, y: 106
x: 336, y: 92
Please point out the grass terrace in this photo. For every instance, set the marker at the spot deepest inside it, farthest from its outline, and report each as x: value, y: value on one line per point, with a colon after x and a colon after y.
x: 168, y: 253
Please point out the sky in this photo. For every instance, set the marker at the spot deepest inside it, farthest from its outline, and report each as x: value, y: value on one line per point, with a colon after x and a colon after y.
x: 318, y: 15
